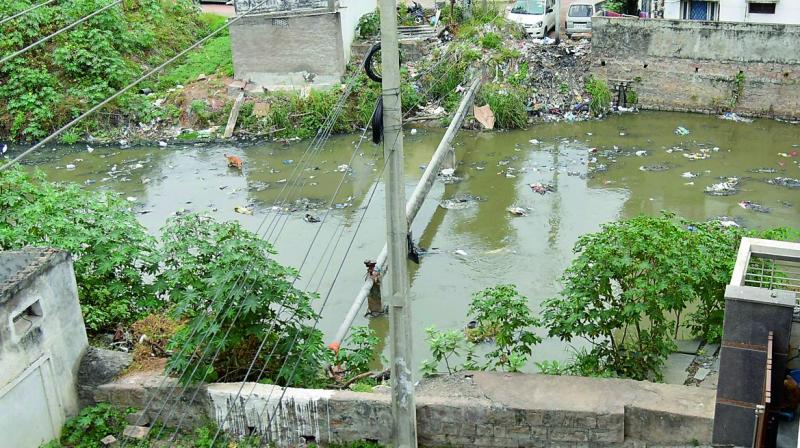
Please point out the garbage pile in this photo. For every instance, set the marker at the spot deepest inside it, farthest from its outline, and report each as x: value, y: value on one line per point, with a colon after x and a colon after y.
x: 727, y: 188
x: 556, y: 78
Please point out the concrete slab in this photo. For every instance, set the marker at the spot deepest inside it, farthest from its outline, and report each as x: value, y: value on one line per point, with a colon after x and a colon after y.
x: 711, y: 381
x: 711, y: 349
x: 715, y: 365
x: 675, y: 369
x: 688, y: 347
x: 701, y: 374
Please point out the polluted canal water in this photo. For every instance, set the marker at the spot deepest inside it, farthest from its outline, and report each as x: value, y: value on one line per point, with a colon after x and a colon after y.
x: 497, y: 227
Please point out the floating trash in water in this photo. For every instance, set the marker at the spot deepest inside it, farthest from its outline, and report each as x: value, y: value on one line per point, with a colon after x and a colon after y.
x: 310, y: 218
x: 459, y: 202
x: 460, y: 252
x: 726, y: 188
x: 243, y: 210
x: 131, y: 199
x: 655, y: 168
x: 413, y: 132
x: 542, y: 188
x: 763, y: 170
x: 517, y: 211
x: 785, y: 182
x: 89, y: 149
x: 689, y: 175
x: 696, y: 155
x: 70, y: 166
x: 343, y: 168
x: 734, y: 117
x: 749, y: 205
x: 447, y: 172
x: 162, y: 144
x: 680, y: 130
x: 534, y: 141
x: 641, y: 153
x: 288, y: 162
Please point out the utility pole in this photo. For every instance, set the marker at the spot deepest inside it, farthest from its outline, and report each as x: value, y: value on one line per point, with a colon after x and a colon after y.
x: 558, y: 21
x: 404, y: 411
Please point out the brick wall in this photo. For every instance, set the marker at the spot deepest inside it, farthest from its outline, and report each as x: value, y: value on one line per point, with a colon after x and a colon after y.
x: 693, y: 66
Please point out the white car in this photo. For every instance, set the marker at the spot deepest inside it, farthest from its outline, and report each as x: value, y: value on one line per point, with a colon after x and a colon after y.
x: 536, y: 16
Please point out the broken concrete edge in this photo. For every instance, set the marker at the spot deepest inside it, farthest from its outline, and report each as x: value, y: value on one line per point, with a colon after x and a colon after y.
x: 477, y: 409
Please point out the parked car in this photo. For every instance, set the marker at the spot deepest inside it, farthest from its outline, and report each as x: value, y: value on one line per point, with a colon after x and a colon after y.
x: 579, y: 16
x: 536, y: 16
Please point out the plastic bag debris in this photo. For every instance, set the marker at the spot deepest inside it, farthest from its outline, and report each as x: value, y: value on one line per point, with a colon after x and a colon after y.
x: 734, y: 117
x: 243, y: 210
x: 310, y: 218
x: 787, y: 182
x: 459, y: 202
x: 542, y: 188
x: 680, y: 130
x: 689, y: 175
x: 517, y: 211
x: 726, y: 188
x: 343, y: 168
x: 749, y: 205
x: 654, y: 168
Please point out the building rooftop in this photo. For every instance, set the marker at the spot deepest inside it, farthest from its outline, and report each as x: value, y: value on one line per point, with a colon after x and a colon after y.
x: 19, y: 268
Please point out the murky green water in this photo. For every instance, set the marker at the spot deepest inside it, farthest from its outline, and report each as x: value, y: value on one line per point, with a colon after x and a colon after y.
x: 480, y: 245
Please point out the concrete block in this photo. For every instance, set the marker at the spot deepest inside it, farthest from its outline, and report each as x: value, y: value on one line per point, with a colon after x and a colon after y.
x: 689, y: 347
x: 109, y: 441
x: 137, y: 418
x: 675, y: 368
x: 136, y: 432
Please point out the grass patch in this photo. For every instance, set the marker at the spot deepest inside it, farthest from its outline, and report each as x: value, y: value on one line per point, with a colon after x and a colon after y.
x: 507, y: 103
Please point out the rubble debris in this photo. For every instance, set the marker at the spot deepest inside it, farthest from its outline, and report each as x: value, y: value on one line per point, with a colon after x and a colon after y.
x: 542, y: 188
x: 726, y: 188
x: 749, y: 205
x: 787, y: 182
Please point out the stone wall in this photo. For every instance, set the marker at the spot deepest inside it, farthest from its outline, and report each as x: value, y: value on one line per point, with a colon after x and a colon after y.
x: 277, y: 50
x: 478, y: 409
x: 693, y: 65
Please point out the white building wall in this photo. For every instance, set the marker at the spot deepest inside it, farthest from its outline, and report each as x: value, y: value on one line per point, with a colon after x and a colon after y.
x: 786, y: 12
x: 350, y: 11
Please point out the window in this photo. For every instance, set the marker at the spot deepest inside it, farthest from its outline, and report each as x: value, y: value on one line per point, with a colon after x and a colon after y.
x: 699, y: 10
x: 535, y: 7
x: 761, y: 8
x: 580, y: 11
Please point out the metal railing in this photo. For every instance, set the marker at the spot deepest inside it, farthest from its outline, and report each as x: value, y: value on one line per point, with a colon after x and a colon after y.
x: 768, y: 264
x: 282, y: 5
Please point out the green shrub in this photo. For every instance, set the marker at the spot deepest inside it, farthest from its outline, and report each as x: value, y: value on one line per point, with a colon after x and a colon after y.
x: 491, y: 41
x: 204, y: 274
x: 369, y: 25
x: 507, y: 103
x: 631, y: 283
x: 600, y: 94
x: 92, y: 424
x: 113, y: 253
x: 357, y: 352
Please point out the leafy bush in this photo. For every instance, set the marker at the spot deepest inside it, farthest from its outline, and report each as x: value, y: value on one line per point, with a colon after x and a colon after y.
x: 113, y: 253
x: 90, y: 426
x: 630, y: 284
x: 507, y: 103
x: 369, y: 25
x: 501, y: 314
x: 220, y: 269
x: 357, y: 352
x: 491, y: 41
x: 600, y: 94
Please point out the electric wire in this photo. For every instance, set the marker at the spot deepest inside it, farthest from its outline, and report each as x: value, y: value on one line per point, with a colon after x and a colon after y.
x: 316, y: 146
x: 66, y: 28
x: 22, y: 13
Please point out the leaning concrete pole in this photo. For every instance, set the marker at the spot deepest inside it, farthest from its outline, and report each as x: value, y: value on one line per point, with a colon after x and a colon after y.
x: 558, y: 22
x: 404, y: 412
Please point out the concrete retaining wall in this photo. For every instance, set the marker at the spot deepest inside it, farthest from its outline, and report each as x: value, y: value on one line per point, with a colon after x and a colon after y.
x: 468, y: 410
x: 277, y: 50
x: 692, y: 66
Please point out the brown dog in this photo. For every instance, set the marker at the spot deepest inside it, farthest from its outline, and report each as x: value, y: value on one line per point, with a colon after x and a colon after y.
x: 234, y: 162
